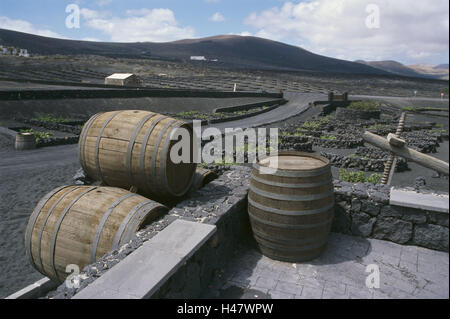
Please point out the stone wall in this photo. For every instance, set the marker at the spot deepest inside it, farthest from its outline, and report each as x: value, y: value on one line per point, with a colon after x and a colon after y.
x: 346, y: 114
x: 74, y: 128
x: 364, y: 210
x: 115, y: 92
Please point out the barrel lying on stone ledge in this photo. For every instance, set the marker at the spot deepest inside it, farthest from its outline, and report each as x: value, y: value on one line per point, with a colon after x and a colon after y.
x: 132, y: 148
x: 291, y: 209
x: 77, y: 225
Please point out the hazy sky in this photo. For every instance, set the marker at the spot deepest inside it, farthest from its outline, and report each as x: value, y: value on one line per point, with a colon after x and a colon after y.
x: 409, y: 31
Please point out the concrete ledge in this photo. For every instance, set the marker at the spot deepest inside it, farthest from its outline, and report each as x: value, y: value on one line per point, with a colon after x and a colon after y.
x: 145, y: 270
x: 35, y: 290
x: 429, y: 202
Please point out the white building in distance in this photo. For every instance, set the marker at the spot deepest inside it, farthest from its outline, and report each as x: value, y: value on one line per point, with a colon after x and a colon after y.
x: 24, y: 53
x: 123, y: 79
x: 198, y: 58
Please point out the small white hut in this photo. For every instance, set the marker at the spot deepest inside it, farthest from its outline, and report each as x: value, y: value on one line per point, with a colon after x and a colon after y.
x: 123, y: 79
x: 198, y: 58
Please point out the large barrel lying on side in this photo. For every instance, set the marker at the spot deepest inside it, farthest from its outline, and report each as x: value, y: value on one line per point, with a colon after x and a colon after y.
x: 132, y: 148
x: 291, y: 208
x: 79, y: 224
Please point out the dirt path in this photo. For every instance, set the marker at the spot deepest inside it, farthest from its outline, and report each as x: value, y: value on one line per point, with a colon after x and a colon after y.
x: 25, y: 178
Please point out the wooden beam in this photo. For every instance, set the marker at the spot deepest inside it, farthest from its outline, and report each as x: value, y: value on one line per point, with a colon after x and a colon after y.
x: 408, y: 153
x: 395, y: 141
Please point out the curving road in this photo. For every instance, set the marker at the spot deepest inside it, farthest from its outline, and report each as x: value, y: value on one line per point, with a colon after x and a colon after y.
x: 298, y: 103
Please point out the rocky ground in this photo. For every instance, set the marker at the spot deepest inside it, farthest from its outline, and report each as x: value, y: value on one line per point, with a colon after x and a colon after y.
x: 164, y: 74
x: 21, y: 187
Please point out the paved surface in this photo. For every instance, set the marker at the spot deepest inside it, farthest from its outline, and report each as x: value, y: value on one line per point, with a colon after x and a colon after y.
x: 406, y: 272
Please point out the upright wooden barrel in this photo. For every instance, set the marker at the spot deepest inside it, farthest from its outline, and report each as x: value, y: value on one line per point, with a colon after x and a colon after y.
x: 79, y: 224
x: 24, y: 141
x: 291, y: 208
x: 132, y: 148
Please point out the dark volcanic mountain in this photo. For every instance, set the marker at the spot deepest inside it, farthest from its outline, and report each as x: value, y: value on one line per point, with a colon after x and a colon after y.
x: 233, y: 51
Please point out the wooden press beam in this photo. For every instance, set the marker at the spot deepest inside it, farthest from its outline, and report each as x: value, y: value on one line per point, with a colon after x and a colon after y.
x: 408, y: 153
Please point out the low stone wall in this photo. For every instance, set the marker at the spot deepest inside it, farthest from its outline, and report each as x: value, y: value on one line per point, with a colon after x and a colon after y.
x: 124, y: 93
x: 53, y: 141
x: 363, y: 163
x: 341, y: 141
x: 243, y: 116
x: 73, y: 129
x: 364, y: 210
x: 338, y: 142
x: 246, y: 107
x: 346, y: 114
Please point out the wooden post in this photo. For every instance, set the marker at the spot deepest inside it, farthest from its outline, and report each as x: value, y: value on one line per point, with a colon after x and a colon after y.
x: 389, y: 167
x: 330, y: 96
x: 408, y: 153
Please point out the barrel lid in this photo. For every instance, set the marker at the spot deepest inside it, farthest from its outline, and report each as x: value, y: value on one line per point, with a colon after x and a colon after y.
x: 294, y: 161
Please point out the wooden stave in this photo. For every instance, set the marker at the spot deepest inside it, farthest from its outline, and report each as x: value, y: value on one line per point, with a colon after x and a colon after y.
x: 140, y: 159
x: 202, y: 177
x: 24, y: 142
x: 291, y: 235
x: 44, y: 264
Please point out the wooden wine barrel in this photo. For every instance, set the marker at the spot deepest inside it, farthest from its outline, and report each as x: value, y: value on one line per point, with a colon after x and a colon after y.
x: 25, y: 141
x: 202, y: 177
x: 132, y: 148
x: 291, y: 208
x: 79, y: 224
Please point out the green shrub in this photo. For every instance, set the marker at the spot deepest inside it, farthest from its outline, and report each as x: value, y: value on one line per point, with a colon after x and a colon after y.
x: 315, y: 124
x: 358, y: 177
x: 408, y: 108
x: 364, y: 106
x: 50, y: 118
x: 328, y: 137
x: 38, y: 136
x: 193, y: 115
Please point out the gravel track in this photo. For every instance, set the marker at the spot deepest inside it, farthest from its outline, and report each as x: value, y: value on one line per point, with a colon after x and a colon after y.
x: 25, y: 178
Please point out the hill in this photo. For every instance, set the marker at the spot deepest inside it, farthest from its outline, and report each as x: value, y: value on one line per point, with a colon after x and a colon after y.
x: 430, y: 70
x: 416, y: 70
x: 231, y: 51
x: 441, y: 66
x: 392, y: 67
